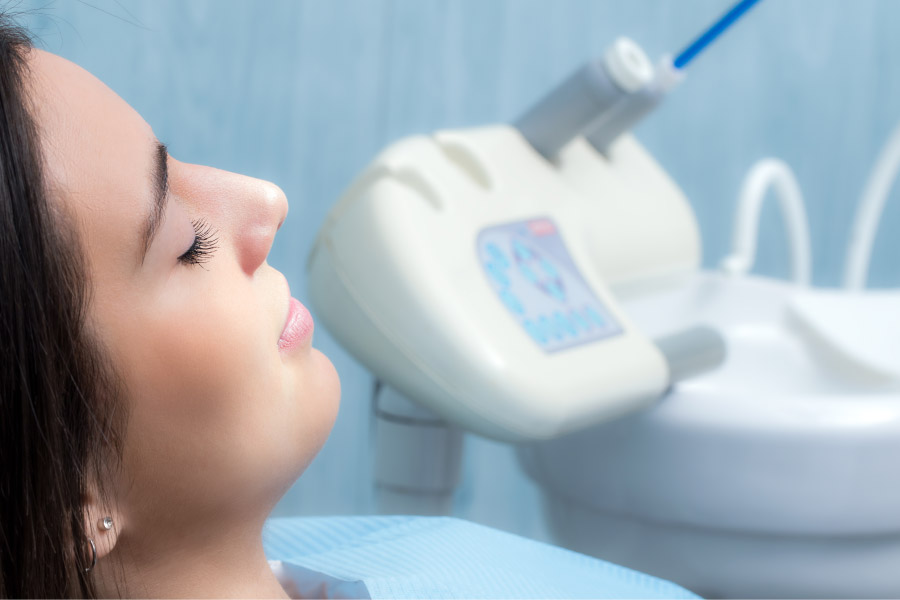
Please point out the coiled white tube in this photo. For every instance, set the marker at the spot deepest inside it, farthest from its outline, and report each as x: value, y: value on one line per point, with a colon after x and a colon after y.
x: 770, y: 172
x: 868, y: 214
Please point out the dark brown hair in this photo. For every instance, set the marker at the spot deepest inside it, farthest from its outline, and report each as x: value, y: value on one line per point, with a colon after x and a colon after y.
x: 60, y: 409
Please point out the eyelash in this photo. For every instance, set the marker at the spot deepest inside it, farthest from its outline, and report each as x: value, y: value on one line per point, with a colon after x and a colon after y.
x: 204, y: 244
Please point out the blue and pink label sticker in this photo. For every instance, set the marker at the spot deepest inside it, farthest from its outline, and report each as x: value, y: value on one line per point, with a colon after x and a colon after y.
x: 533, y: 274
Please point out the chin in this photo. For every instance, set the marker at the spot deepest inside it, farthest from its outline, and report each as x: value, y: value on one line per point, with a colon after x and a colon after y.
x: 321, y: 398
x: 331, y: 383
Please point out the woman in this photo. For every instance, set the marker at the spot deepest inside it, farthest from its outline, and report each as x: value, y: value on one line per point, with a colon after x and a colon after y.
x: 159, y: 388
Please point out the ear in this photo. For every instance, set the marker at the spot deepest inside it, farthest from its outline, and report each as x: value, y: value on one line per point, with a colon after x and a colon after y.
x: 94, y: 514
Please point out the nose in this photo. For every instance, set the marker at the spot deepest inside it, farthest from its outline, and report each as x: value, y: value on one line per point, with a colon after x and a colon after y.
x: 265, y: 210
x: 250, y: 210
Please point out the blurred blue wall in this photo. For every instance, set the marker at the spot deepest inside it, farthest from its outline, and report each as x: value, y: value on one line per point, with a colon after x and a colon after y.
x: 304, y: 93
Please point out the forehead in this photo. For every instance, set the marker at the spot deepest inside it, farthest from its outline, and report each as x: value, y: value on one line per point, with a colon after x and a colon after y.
x: 98, y: 155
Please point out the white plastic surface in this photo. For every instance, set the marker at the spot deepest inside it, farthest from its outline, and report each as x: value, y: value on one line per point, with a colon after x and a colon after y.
x: 395, y: 277
x: 773, y: 477
x: 855, y: 330
x: 628, y: 65
x: 667, y: 74
x: 868, y: 212
x: 638, y: 226
x: 417, y: 457
x: 729, y: 563
x: 770, y: 173
x: 776, y: 442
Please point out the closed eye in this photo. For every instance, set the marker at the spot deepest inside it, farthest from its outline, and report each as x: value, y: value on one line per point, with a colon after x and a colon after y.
x: 205, y: 244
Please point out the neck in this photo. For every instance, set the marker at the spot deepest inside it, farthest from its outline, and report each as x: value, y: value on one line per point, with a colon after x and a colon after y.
x: 226, y: 565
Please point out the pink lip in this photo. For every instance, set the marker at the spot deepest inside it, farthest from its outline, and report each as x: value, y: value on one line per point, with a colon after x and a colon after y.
x: 298, y: 327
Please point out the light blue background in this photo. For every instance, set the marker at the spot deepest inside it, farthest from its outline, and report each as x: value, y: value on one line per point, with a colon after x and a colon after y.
x: 304, y: 93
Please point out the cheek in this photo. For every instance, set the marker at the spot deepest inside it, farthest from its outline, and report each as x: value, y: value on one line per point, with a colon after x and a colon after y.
x: 215, y: 407
x: 204, y: 388
x: 205, y: 351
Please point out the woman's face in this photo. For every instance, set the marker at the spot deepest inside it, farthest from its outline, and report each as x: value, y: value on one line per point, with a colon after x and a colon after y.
x: 222, y: 421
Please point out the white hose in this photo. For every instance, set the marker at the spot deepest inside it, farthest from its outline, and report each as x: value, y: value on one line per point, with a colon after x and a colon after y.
x: 868, y: 213
x: 770, y: 172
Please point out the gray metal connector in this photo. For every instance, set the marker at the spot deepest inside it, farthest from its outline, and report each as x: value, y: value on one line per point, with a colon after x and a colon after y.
x: 630, y: 109
x: 570, y: 108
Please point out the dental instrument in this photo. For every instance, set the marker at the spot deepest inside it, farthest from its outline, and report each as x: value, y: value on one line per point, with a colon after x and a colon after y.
x: 625, y: 114
x: 608, y: 97
x: 590, y: 91
x: 468, y: 273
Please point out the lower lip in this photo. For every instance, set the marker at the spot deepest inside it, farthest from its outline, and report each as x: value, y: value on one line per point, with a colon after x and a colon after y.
x: 299, y: 327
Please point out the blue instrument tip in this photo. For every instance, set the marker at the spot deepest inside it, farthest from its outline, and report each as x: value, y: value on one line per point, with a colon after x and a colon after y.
x: 714, y: 31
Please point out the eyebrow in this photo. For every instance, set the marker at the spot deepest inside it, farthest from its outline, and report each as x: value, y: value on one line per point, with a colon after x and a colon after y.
x: 160, y: 180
